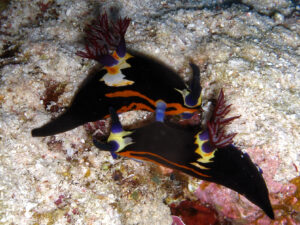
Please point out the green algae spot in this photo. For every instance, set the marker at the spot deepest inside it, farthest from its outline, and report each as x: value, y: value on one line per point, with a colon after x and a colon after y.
x: 105, y: 166
x: 4, y: 4
x: 155, y: 179
x: 51, y: 217
x: 135, y: 195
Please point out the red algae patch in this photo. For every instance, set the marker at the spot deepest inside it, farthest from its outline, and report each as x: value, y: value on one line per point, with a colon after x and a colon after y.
x: 193, y: 213
x: 51, y: 95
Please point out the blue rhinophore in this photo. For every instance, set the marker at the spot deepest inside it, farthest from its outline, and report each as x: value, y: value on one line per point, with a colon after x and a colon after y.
x: 203, y: 136
x: 121, y: 49
x: 191, y: 100
x: 114, y: 145
x: 108, y: 60
x: 207, y: 147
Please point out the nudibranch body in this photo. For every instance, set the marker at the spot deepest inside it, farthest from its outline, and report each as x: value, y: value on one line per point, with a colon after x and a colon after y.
x: 208, y: 154
x: 127, y: 81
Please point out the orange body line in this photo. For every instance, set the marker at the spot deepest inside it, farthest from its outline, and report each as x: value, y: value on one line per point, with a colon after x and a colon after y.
x: 178, y: 108
x: 130, y: 93
x: 112, y: 69
x: 129, y: 154
x: 136, y: 106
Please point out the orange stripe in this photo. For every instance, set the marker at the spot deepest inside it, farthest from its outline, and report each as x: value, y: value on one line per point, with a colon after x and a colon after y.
x: 112, y: 69
x: 129, y: 93
x: 129, y: 155
x: 179, y: 109
x: 137, y: 106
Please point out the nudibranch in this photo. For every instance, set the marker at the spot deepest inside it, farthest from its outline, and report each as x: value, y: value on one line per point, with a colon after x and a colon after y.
x: 208, y: 155
x: 126, y: 81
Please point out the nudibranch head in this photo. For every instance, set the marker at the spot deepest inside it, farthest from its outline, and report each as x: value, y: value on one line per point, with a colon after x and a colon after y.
x: 103, y: 37
x: 117, y: 138
x: 203, y: 139
x: 214, y: 136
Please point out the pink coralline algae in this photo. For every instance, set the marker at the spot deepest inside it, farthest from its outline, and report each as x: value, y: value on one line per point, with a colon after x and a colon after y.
x: 177, y: 221
x: 59, y: 200
x: 284, y: 197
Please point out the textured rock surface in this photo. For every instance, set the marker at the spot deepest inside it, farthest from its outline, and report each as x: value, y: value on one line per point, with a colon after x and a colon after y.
x: 250, y: 50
